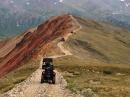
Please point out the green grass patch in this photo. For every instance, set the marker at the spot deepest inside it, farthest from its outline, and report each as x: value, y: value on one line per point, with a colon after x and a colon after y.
x: 101, y: 78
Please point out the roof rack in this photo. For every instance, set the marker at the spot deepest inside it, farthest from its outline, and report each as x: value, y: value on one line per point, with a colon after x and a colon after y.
x: 47, y: 60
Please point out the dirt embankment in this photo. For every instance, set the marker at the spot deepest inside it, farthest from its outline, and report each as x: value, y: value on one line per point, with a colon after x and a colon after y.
x: 26, y: 44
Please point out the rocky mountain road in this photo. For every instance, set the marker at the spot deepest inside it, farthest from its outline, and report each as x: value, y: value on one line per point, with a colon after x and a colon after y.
x: 32, y: 87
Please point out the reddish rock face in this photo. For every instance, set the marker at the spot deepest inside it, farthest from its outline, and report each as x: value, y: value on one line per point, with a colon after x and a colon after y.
x: 53, y: 28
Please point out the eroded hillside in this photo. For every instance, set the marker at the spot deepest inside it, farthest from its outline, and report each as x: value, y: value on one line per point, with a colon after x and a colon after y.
x: 19, y: 48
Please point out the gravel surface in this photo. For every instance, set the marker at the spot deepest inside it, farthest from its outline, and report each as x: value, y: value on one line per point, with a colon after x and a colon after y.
x: 33, y: 88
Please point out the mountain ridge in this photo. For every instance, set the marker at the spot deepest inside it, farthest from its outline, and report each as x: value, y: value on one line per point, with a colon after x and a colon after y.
x: 98, y: 55
x: 53, y: 28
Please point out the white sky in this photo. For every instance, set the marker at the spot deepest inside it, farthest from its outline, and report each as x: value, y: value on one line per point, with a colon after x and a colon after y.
x: 60, y: 0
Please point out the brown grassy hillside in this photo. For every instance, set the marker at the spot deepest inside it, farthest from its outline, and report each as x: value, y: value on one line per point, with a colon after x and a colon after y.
x: 100, y: 64
x: 101, y: 42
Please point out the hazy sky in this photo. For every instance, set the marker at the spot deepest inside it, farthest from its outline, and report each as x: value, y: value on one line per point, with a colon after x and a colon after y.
x: 23, y: 4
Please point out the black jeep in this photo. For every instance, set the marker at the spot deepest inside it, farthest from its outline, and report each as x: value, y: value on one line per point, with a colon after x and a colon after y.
x: 48, y: 75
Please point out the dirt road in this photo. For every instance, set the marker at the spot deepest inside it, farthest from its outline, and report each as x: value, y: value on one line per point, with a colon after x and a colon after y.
x: 32, y: 87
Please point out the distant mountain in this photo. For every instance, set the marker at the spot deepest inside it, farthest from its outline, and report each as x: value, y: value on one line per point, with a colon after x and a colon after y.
x: 114, y: 11
x: 18, y: 15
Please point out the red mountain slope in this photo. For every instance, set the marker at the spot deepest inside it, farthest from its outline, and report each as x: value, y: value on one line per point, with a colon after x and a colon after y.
x: 21, y: 47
